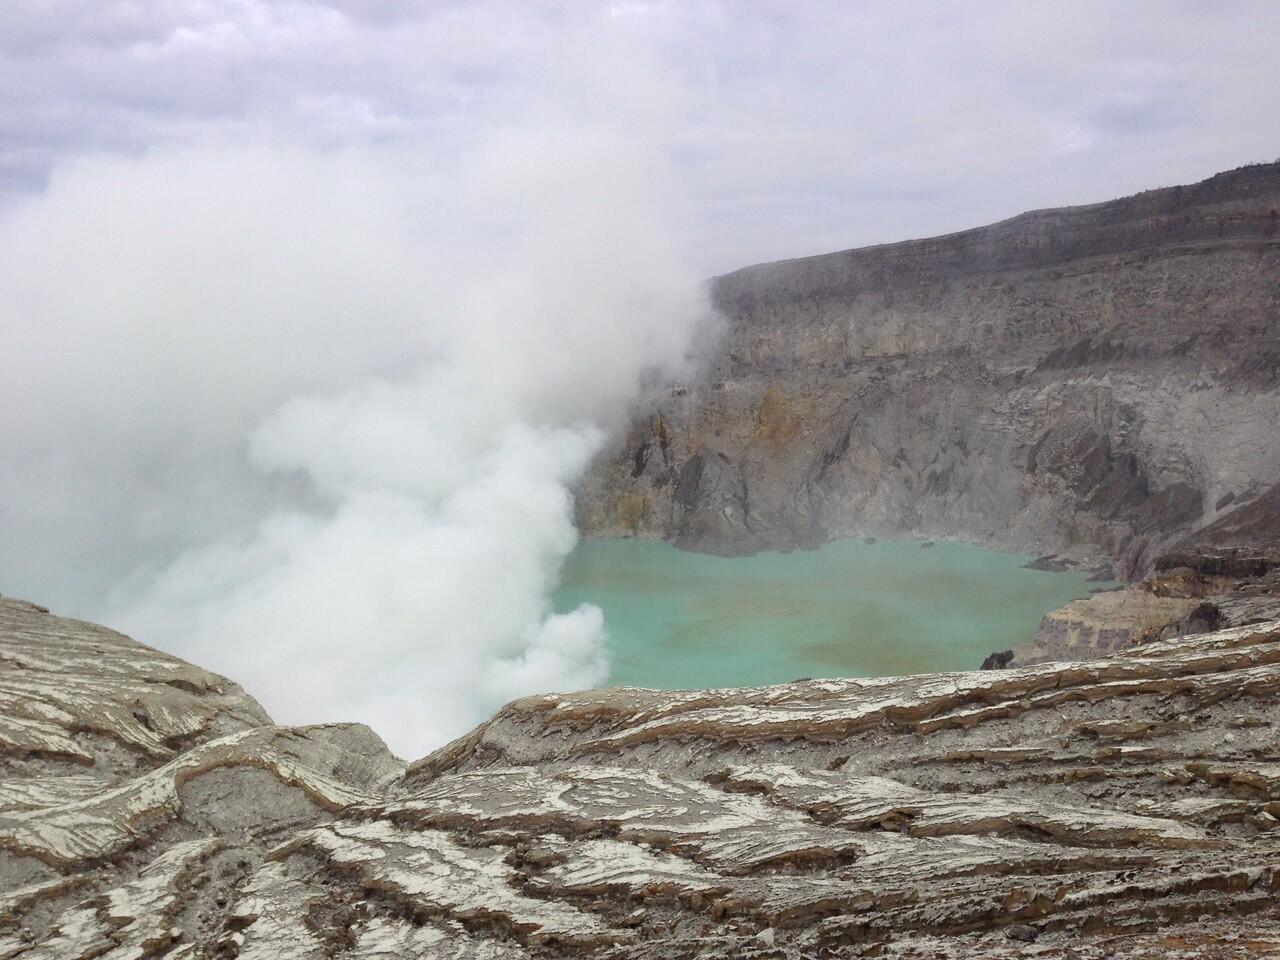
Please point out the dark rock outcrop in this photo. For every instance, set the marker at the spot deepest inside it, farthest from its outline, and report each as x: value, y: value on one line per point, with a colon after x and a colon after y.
x: 1095, y: 382
x: 1244, y: 542
x: 1226, y: 574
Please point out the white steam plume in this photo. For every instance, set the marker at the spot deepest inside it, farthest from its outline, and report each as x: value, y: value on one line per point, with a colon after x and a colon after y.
x: 311, y: 418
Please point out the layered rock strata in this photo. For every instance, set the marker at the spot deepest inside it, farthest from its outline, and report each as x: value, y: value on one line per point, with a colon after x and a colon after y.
x: 1092, y: 381
x: 1226, y: 574
x: 1120, y: 807
x: 1106, y: 622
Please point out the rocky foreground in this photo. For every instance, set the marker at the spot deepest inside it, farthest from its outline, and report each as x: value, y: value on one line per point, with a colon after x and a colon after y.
x: 1123, y: 807
x: 1096, y: 382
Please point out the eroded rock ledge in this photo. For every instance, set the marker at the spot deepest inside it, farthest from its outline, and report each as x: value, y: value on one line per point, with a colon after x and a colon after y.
x: 1121, y: 807
x: 1224, y: 575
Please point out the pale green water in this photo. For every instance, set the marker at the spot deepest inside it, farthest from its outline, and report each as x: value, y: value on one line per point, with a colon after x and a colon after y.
x: 679, y: 619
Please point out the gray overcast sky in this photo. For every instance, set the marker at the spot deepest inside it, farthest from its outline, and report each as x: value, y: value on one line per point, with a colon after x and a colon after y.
x: 798, y: 127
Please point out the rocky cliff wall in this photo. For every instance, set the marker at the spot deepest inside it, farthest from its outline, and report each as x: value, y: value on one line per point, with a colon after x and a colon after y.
x: 1095, y: 382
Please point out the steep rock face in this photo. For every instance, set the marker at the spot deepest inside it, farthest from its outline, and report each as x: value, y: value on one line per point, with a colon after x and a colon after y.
x: 1094, y: 381
x: 1243, y: 542
x: 1122, y: 807
x: 1225, y: 575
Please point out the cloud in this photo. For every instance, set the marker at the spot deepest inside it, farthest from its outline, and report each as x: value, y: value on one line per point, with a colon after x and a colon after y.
x: 310, y: 417
x: 821, y: 126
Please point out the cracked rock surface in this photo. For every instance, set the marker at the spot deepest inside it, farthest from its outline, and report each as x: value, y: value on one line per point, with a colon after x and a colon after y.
x: 1119, y: 807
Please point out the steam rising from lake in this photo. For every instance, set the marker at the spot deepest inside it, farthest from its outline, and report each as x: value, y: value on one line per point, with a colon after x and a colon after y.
x: 310, y: 418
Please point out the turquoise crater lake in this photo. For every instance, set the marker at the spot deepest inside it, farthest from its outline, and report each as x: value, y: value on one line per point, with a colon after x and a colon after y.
x: 678, y: 619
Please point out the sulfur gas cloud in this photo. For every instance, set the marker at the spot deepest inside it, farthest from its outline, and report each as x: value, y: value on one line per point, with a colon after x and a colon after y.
x: 311, y: 418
